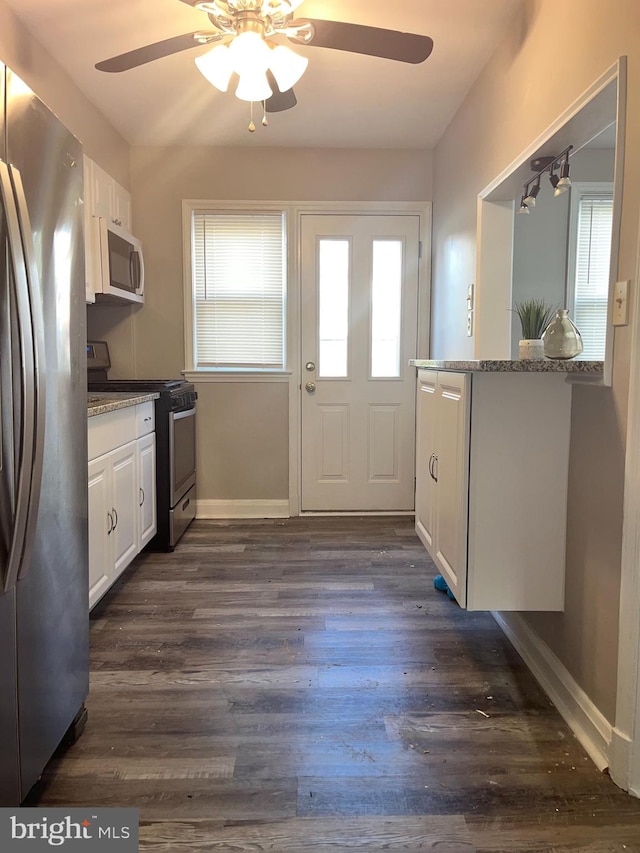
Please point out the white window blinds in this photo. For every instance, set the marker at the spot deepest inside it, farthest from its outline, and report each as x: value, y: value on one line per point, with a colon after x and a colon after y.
x: 593, y: 250
x: 239, y: 290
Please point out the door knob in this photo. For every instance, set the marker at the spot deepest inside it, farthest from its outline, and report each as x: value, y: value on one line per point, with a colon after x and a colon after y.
x: 310, y: 387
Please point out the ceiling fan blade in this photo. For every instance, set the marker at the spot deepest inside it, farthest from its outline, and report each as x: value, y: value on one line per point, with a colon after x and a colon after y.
x: 142, y: 55
x: 279, y: 101
x: 370, y: 41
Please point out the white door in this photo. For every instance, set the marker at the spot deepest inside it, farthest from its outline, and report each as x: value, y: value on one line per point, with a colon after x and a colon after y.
x: 125, y: 500
x: 451, y: 474
x: 146, y: 488
x: 426, y: 496
x: 359, y: 330
x: 100, y: 528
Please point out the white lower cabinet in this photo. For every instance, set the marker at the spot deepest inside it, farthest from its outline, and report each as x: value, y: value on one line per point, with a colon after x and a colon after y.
x: 122, y: 502
x: 491, y: 485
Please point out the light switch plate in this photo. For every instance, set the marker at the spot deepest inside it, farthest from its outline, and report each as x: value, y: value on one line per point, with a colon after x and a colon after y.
x: 621, y: 303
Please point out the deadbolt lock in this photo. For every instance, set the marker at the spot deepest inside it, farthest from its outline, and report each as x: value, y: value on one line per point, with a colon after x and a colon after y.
x: 309, y: 366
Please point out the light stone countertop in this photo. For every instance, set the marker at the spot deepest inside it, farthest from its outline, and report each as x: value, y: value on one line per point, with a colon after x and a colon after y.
x: 547, y: 365
x: 101, y: 402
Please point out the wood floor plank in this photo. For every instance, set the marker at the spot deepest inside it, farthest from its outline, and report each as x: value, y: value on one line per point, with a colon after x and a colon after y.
x: 296, y: 685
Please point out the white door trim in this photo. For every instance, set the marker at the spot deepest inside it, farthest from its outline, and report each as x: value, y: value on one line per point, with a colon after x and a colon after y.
x: 424, y: 211
x: 625, y: 746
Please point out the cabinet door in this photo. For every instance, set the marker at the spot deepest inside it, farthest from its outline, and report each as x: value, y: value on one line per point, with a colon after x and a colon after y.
x: 100, y: 524
x: 147, y: 488
x: 451, y: 471
x: 121, y: 209
x: 425, y: 453
x: 101, y: 192
x: 125, y: 505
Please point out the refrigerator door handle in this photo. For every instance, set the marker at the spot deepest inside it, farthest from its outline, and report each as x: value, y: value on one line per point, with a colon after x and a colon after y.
x: 36, y: 317
x: 25, y: 444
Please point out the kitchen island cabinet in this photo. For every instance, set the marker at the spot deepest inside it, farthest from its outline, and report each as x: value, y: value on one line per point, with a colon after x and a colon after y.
x: 122, y: 494
x: 491, y: 484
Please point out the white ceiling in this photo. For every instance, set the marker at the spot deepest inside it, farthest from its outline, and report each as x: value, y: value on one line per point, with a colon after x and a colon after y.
x: 344, y: 100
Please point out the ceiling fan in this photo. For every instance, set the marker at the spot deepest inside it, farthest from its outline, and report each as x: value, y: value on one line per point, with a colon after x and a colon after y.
x: 268, y: 71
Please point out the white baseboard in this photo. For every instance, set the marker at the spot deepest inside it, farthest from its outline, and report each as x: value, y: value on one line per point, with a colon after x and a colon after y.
x: 583, y: 718
x: 242, y: 509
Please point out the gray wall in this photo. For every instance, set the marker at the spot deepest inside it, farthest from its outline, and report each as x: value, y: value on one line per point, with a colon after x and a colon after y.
x: 501, y: 116
x: 243, y: 429
x: 26, y: 56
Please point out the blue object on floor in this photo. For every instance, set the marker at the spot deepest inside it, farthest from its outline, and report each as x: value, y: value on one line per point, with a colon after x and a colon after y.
x: 440, y: 584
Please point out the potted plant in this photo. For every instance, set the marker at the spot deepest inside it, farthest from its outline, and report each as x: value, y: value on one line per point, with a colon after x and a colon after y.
x: 535, y: 315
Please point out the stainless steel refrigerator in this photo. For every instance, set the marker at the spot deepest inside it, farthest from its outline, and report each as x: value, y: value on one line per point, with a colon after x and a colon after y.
x: 44, y: 618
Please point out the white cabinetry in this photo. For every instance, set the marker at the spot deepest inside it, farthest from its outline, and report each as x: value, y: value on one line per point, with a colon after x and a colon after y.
x: 122, y: 503
x: 491, y: 485
x: 106, y: 200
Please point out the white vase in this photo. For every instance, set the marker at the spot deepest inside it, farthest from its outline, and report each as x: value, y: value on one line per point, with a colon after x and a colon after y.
x: 531, y: 349
x: 561, y: 339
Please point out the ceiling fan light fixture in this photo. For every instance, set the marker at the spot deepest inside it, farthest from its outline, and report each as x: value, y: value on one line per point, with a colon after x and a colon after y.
x: 254, y: 86
x: 287, y: 67
x: 216, y: 66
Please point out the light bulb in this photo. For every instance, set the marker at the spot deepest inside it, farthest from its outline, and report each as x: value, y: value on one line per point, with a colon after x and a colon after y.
x: 287, y: 67
x: 216, y: 65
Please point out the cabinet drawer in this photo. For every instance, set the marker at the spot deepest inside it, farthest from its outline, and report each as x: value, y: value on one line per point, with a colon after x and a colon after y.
x: 145, y: 418
x: 106, y: 432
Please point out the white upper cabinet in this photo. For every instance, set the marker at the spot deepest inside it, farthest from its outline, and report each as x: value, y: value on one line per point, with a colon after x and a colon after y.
x: 106, y: 198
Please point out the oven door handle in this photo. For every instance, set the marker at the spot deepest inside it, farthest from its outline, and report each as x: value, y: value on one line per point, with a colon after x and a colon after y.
x: 184, y: 413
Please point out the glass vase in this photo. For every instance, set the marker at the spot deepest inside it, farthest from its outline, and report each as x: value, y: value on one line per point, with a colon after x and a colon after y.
x: 561, y: 339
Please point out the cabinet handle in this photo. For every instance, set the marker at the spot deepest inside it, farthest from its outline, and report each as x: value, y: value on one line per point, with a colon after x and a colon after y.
x: 431, y: 466
x: 141, y: 497
x: 115, y: 515
x: 110, y: 530
x: 117, y: 221
x: 435, y: 463
x: 147, y: 419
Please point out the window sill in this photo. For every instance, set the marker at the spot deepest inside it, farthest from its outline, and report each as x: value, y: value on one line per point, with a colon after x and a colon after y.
x: 237, y: 376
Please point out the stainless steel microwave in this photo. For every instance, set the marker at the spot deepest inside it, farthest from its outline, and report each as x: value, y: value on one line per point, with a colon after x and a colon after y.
x: 121, y: 274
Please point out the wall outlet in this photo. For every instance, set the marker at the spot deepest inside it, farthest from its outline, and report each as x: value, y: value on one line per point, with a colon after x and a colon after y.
x: 621, y: 303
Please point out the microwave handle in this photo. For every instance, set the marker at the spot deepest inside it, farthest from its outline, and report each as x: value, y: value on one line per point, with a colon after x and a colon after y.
x: 102, y: 241
x: 140, y: 288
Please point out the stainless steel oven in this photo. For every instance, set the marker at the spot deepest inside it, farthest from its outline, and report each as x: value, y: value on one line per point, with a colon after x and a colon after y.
x: 182, y: 452
x: 182, y: 470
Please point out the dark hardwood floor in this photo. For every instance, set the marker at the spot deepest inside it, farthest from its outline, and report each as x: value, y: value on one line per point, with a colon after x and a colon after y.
x: 299, y: 685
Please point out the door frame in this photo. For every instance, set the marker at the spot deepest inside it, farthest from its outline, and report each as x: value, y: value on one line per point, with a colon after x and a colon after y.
x: 424, y: 211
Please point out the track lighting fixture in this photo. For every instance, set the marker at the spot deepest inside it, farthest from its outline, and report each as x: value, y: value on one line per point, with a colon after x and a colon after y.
x: 565, y: 181
x: 530, y: 198
x: 560, y: 182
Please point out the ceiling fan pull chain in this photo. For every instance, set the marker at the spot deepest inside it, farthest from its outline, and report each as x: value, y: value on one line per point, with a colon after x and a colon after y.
x: 252, y: 126
x: 265, y: 120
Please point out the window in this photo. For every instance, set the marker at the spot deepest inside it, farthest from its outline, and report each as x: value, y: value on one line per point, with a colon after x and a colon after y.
x: 238, y: 274
x: 590, y: 251
x: 333, y: 309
